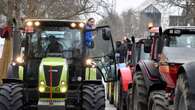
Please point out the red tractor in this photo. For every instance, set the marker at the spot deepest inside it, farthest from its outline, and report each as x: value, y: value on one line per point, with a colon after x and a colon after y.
x: 118, y: 92
x: 166, y: 80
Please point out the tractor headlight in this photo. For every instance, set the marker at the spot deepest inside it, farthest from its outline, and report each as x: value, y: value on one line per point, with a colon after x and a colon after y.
x: 19, y: 59
x: 81, y: 25
x: 42, y: 83
x: 37, y: 23
x: 63, y: 83
x: 90, y: 62
x: 29, y: 23
x: 13, y: 63
x: 41, y: 89
x: 63, y: 89
x: 73, y: 25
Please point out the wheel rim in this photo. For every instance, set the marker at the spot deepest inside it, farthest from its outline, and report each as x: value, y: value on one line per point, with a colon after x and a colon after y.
x: 182, y: 103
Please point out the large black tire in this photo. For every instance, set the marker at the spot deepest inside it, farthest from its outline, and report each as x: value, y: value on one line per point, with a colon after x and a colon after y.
x: 11, y: 97
x: 157, y: 101
x: 93, y: 97
x: 129, y: 100
x: 139, y: 92
x: 183, y: 97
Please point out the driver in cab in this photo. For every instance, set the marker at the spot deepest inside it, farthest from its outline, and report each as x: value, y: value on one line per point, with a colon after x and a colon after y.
x: 54, y: 46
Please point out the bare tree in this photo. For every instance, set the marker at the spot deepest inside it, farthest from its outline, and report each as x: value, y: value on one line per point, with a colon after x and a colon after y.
x: 188, y: 7
x: 57, y: 9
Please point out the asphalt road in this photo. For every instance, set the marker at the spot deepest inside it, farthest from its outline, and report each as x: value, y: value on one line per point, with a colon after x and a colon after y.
x: 109, y: 106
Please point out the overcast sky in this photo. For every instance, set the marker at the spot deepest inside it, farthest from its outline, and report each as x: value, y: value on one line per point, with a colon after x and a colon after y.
x: 123, y: 5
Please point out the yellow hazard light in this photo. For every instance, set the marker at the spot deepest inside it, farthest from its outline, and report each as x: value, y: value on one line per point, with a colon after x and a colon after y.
x: 73, y: 25
x: 37, y: 23
x: 29, y: 23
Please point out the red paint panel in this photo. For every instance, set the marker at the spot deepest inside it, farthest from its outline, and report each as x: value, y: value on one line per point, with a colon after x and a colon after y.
x: 169, y: 73
x: 126, y: 76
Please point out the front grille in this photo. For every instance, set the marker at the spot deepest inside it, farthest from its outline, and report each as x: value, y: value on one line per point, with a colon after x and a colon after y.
x: 55, y: 71
x: 54, y: 95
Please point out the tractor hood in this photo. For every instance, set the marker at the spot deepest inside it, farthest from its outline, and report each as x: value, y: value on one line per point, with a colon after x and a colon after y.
x: 53, y: 72
x: 179, y: 54
x: 53, y: 61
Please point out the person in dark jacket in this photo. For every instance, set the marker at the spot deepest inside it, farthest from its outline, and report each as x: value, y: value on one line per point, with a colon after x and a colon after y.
x: 54, y: 46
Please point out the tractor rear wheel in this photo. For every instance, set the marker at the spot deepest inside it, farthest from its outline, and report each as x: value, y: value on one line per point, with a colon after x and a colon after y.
x: 139, y: 92
x: 93, y: 97
x: 157, y: 101
x: 183, y: 97
x: 11, y: 97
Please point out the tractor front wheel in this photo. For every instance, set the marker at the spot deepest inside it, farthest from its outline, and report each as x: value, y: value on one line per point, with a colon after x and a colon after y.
x: 183, y: 97
x: 139, y: 92
x: 11, y: 97
x: 93, y: 97
x: 157, y: 101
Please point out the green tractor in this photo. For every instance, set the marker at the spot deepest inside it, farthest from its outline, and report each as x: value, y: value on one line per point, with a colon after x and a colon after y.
x: 52, y: 67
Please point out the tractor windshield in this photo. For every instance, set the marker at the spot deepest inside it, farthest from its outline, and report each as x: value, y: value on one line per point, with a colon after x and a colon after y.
x: 185, y: 40
x: 55, y: 41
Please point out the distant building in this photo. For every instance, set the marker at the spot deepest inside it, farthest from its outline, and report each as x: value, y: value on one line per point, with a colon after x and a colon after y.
x: 151, y: 14
x: 165, y: 11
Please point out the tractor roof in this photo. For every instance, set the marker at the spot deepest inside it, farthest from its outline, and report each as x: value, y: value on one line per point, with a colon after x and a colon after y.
x: 53, y: 20
x: 178, y: 30
x: 181, y: 27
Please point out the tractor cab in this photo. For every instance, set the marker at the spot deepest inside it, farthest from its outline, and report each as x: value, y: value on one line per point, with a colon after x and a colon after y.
x: 174, y: 47
x: 178, y: 49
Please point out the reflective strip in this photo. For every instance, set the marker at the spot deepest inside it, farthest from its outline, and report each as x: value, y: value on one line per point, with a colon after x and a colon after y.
x: 90, y: 74
x: 21, y: 72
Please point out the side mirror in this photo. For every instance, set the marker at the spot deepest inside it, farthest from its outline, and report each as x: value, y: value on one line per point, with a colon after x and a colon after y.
x: 133, y: 39
x: 147, y: 45
x: 160, y: 31
x: 106, y: 34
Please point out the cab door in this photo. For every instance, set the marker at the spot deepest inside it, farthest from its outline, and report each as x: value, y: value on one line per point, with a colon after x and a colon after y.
x: 5, y: 55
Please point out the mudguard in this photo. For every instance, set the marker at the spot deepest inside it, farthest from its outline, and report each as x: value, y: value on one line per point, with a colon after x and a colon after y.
x: 125, y: 74
x: 151, y: 74
x: 189, y: 69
